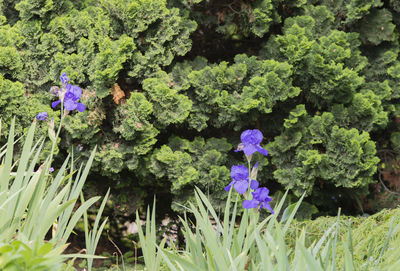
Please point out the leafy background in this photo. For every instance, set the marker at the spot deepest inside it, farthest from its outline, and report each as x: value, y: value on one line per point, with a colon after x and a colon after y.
x: 170, y: 85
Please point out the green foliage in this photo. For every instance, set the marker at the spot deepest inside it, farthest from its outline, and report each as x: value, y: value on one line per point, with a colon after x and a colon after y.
x: 11, y: 97
x: 378, y: 29
x: 357, y: 9
x: 319, y: 78
x: 34, y: 256
x: 10, y: 61
x: 110, y: 61
x: 92, y: 237
x: 312, y: 149
x: 365, y: 113
x: 133, y: 122
x: 33, y: 201
x: 236, y: 20
x: 187, y: 163
x: 328, y: 243
x: 394, y: 74
x: 92, y: 45
x: 29, y: 9
x: 169, y: 106
x: 323, y: 19
x: 332, y: 68
x: 349, y: 11
x: 369, y: 235
x: 230, y: 91
x: 395, y: 140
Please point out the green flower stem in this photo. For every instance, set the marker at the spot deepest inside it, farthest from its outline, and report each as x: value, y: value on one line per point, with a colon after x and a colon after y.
x: 55, y: 141
x: 249, y: 196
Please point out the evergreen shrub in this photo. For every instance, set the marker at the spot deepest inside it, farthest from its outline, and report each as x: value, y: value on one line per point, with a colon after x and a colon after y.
x: 169, y: 85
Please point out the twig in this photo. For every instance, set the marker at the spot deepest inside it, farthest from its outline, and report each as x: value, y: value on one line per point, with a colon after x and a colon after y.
x: 122, y: 256
x: 385, y: 153
x: 384, y: 186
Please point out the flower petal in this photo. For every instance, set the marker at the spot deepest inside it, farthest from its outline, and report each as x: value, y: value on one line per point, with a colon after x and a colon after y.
x: 248, y: 204
x: 77, y: 91
x: 42, y: 116
x: 251, y: 137
x: 245, y: 135
x: 69, y: 95
x: 228, y: 187
x: 241, y: 186
x: 239, y: 172
x: 69, y: 104
x: 68, y: 87
x: 261, y: 150
x: 254, y: 184
x: 249, y: 149
x: 268, y: 207
x: 64, y: 78
x: 81, y: 107
x: 54, y: 104
x: 261, y: 194
x: 257, y: 136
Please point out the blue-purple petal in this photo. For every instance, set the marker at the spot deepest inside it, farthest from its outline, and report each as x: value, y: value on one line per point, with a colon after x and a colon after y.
x: 254, y: 184
x: 54, y: 104
x: 42, y: 116
x: 257, y: 136
x: 69, y: 96
x: 228, y: 187
x: 239, y: 172
x: 68, y: 87
x: 261, y: 194
x: 268, y: 207
x: 241, y: 186
x: 262, y: 150
x: 251, y: 137
x: 69, y: 104
x: 77, y: 92
x: 64, y: 79
x: 81, y: 107
x: 248, y: 204
x: 249, y: 149
x: 245, y: 134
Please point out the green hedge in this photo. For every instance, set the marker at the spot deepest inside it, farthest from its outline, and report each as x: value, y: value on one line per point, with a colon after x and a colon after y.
x: 169, y: 86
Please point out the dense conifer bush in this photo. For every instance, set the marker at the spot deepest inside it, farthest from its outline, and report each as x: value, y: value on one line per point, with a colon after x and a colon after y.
x: 170, y: 84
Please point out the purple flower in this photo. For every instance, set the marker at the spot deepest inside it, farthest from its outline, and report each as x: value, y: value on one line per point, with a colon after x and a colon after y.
x: 251, y: 140
x: 71, y: 98
x: 54, y: 104
x: 64, y: 79
x: 260, y: 200
x: 42, y: 116
x: 69, y: 95
x: 51, y: 169
x: 240, y: 176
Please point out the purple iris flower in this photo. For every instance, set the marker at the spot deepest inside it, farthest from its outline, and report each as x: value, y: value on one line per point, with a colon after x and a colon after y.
x: 64, y: 79
x: 260, y: 200
x: 42, y: 116
x: 251, y: 140
x: 240, y: 176
x: 69, y: 95
x: 71, y: 98
x: 51, y: 169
